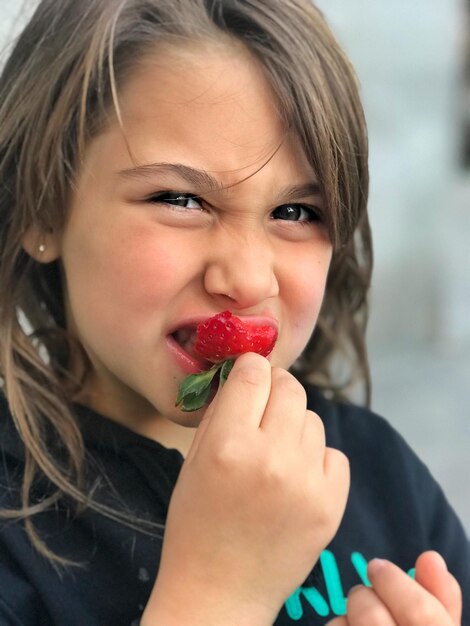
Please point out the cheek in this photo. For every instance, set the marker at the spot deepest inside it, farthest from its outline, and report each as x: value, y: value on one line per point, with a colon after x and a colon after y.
x: 304, y: 291
x: 145, y: 273
x: 123, y: 276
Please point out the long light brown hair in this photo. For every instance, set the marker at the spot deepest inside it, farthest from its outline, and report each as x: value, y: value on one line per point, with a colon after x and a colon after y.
x: 58, y: 88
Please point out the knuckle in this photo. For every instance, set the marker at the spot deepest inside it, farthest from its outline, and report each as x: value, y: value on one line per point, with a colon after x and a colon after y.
x: 340, y: 478
x: 272, y: 473
x: 339, y: 458
x: 315, y: 420
x: 227, y: 456
x: 284, y: 381
x: 315, y: 424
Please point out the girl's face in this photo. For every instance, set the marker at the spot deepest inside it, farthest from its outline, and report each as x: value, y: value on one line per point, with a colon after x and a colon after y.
x: 144, y: 258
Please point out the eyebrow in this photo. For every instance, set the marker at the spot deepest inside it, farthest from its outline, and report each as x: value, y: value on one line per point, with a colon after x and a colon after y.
x: 202, y: 179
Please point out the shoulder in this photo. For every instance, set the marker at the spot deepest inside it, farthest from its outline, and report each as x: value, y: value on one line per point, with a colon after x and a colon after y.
x: 11, y: 458
x: 352, y: 426
x: 378, y: 455
x: 11, y: 445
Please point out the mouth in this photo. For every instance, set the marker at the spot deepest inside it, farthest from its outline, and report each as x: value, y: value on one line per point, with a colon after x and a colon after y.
x: 186, y: 338
x: 181, y: 343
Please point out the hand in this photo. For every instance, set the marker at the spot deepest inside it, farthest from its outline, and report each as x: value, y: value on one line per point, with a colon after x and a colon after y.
x: 258, y: 498
x: 434, y: 598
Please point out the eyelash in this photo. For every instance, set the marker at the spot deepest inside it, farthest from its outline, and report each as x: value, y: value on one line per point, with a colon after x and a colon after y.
x: 171, y: 197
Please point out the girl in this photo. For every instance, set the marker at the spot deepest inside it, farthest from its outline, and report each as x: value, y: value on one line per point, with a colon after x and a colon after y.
x: 163, y: 161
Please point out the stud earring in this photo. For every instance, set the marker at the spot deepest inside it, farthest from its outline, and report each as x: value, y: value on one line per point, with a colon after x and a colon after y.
x: 42, y: 248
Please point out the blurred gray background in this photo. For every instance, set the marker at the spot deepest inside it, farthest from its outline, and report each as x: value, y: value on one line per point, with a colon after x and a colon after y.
x: 409, y: 55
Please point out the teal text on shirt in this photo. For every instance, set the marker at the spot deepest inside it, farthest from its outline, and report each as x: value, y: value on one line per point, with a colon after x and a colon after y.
x: 335, y: 602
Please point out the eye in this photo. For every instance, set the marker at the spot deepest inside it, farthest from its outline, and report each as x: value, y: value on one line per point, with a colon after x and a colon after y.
x: 297, y: 213
x: 183, y: 200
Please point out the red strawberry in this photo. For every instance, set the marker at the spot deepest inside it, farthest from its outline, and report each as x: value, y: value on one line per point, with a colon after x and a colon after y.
x: 220, y: 339
x: 225, y: 336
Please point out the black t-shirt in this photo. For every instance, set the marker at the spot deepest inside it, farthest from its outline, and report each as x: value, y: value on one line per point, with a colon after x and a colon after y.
x: 395, y: 511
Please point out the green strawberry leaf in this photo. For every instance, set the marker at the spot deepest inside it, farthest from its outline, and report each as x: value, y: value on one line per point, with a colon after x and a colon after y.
x: 225, y: 370
x: 194, y: 390
x: 195, y: 384
x: 195, y: 401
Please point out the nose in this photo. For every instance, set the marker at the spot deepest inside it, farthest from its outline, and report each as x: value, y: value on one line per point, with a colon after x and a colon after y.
x: 241, y: 270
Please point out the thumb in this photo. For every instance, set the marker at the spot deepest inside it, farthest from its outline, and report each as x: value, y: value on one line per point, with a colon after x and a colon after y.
x: 201, y: 429
x: 432, y: 574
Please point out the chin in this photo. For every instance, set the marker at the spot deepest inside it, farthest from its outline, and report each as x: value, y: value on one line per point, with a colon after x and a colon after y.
x: 185, y: 418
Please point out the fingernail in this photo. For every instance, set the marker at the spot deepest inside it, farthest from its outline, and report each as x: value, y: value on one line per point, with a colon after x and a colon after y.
x: 355, y: 588
x: 374, y: 566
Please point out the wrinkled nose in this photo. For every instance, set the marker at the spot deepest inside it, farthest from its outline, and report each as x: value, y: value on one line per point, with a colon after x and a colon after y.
x: 242, y: 269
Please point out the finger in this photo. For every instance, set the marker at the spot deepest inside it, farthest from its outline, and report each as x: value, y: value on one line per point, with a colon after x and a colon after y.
x: 202, y: 428
x: 432, y: 574
x: 365, y: 608
x: 338, y: 621
x: 408, y: 602
x: 241, y: 402
x: 338, y: 477
x: 334, y: 464
x: 284, y: 416
x: 313, y: 434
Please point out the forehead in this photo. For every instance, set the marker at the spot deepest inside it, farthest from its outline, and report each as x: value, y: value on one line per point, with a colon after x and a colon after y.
x: 209, y: 104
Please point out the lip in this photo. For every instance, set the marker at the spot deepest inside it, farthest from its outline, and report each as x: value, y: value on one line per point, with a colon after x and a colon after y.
x: 187, y: 362
x: 195, y: 320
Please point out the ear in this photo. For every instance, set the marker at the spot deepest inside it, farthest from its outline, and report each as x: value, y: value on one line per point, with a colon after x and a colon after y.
x: 42, y: 246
